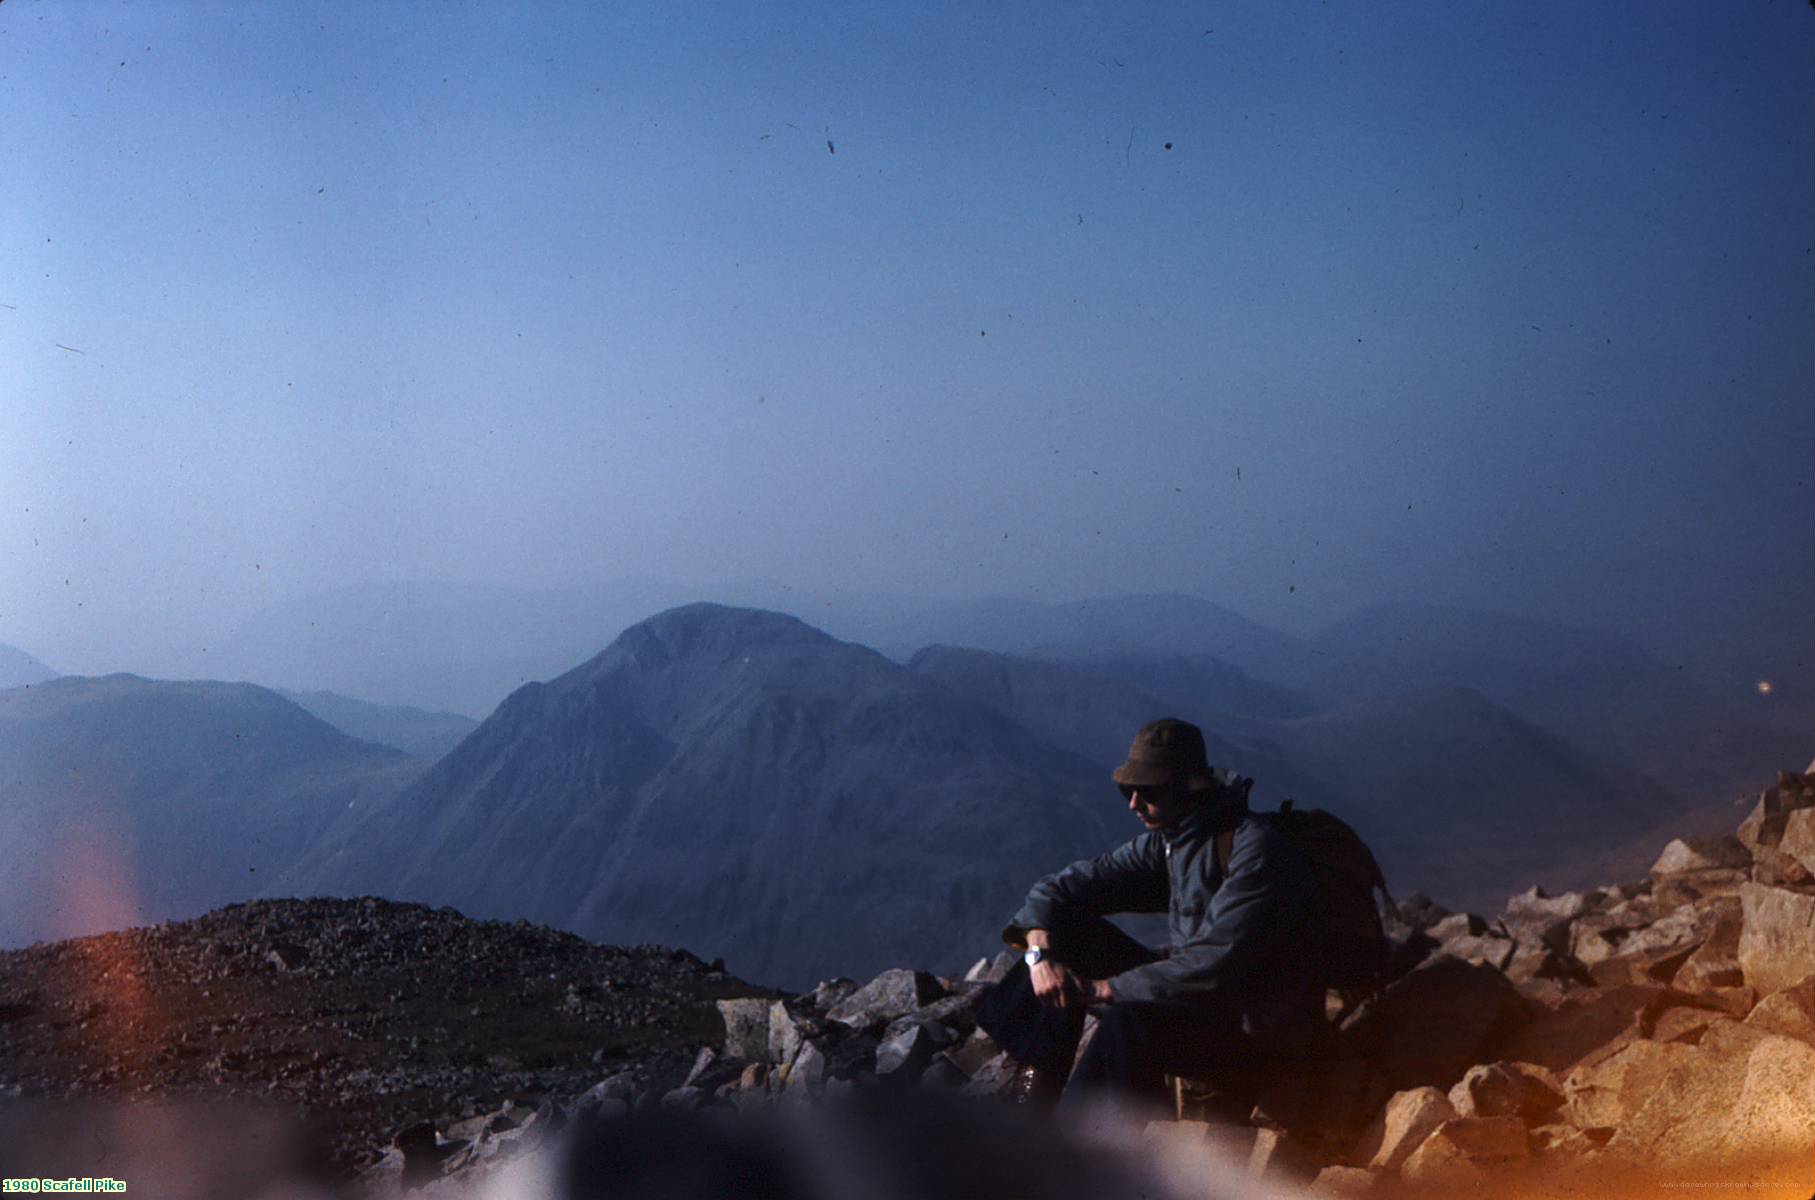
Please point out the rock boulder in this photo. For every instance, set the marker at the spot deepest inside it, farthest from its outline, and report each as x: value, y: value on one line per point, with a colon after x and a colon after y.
x: 1777, y: 937
x: 1431, y: 1025
x: 1605, y: 1091
x: 1401, y: 1127
x: 892, y: 994
x: 1465, y: 1150
x: 1790, y: 1012
x: 1507, y: 1089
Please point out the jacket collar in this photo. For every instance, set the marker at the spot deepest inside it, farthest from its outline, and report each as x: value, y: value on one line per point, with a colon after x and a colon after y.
x: 1209, y: 817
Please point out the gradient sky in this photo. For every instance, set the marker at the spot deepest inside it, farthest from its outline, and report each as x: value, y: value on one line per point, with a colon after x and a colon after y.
x: 1292, y: 306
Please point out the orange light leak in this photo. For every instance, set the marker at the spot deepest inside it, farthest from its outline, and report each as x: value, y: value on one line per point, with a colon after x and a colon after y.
x: 1772, y: 1177
x: 96, y: 892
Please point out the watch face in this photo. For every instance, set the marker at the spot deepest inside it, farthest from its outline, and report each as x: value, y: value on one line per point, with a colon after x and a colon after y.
x: 1033, y: 956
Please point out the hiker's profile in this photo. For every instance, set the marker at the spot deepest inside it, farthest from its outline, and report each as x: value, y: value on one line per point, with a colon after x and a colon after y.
x: 1242, y: 981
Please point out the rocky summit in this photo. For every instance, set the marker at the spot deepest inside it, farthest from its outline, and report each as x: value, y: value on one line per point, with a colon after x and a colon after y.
x: 1592, y: 1042
x: 368, y: 1017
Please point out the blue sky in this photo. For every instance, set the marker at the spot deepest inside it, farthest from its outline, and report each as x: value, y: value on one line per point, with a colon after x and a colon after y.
x: 1293, y: 306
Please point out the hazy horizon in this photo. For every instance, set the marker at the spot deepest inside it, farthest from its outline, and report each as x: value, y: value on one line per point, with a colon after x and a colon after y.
x: 1293, y: 309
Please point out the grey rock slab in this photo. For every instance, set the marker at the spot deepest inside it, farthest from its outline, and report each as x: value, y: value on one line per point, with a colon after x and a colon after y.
x: 849, y: 1057
x: 1777, y: 937
x: 1278, y: 1158
x: 1723, y: 1106
x: 1457, y: 925
x: 1465, y: 1150
x: 1681, y: 928
x: 973, y: 1052
x: 1401, y: 1127
x: 958, y: 1010
x: 785, y: 1035
x: 990, y: 1078
x: 1715, y: 963
x: 1507, y: 1089
x: 1799, y: 838
x: 1685, y: 1025
x: 1346, y: 1181
x: 892, y: 994
x: 1765, y: 825
x: 1597, y: 937
x: 1535, y: 904
x: 908, y: 1046
x: 1608, y: 1089
x: 1701, y: 854
x: 1001, y: 965
x: 830, y: 992
x: 746, y: 1029
x: 1775, y: 1113
x: 1669, y: 891
x: 1535, y: 960
x: 1772, y: 866
x: 1489, y: 950
x: 1790, y: 1012
x: 711, y: 1070
x: 807, y: 1074
x: 1561, y: 1141
x: 623, y: 1087
x: 1729, y: 1038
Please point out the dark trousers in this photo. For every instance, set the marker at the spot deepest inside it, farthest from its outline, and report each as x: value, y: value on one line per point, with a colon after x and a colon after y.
x: 1136, y: 1043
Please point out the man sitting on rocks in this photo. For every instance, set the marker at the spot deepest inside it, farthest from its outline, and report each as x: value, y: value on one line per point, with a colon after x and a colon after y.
x: 1238, y: 988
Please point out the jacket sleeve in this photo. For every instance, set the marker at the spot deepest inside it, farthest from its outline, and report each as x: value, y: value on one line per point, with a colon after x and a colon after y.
x: 1129, y: 879
x: 1253, y: 921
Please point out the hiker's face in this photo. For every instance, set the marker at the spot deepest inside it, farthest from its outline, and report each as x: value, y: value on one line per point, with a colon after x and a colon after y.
x: 1156, y: 807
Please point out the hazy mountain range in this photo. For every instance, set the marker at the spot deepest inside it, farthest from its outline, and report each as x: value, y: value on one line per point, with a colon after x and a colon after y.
x: 414, y: 731
x: 1460, y: 797
x: 443, y: 647
x: 723, y: 778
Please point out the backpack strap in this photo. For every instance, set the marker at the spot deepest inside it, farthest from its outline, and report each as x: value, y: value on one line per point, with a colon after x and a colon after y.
x: 1225, y: 846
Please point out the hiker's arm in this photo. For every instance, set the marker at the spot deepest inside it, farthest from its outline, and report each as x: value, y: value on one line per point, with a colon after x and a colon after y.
x: 1254, y: 918
x: 1130, y: 878
x: 1057, y: 984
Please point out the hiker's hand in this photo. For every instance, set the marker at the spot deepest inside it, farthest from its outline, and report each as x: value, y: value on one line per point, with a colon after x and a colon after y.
x: 1100, y: 992
x: 1056, y: 984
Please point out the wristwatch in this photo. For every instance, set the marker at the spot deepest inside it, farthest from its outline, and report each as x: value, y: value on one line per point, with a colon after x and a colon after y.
x: 1035, y: 956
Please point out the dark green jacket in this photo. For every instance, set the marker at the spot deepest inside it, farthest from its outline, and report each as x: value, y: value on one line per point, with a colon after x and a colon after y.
x: 1248, y: 942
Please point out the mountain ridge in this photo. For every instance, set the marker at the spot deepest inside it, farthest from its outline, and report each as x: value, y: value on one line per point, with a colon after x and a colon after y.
x: 717, y: 776
x: 162, y: 798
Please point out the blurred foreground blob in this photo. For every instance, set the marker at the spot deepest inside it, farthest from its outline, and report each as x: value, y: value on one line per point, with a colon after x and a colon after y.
x: 904, y: 1146
x: 197, y: 1150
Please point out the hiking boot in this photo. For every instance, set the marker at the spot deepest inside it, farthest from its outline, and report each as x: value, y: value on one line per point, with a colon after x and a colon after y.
x: 1032, y: 1086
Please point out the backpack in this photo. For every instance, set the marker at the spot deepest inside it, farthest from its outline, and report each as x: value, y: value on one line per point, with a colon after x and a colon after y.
x: 1347, y: 874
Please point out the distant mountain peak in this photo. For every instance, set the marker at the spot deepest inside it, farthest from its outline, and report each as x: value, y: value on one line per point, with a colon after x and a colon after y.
x: 19, y: 669
x: 707, y: 629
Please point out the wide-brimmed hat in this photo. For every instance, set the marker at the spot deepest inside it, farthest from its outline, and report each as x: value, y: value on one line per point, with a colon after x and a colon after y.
x: 1167, y: 751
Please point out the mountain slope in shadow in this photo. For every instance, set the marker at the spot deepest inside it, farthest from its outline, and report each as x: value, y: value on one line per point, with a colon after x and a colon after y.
x: 129, y: 800
x: 742, y: 784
